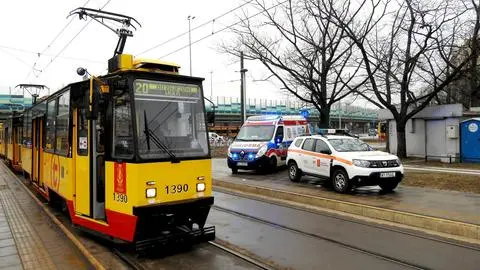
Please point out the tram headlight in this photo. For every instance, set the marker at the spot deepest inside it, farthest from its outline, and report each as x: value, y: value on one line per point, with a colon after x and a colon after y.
x: 200, y: 187
x: 151, y: 192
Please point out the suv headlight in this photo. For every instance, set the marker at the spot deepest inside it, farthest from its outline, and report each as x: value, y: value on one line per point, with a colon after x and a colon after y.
x: 261, y: 151
x: 361, y: 163
x: 399, y: 162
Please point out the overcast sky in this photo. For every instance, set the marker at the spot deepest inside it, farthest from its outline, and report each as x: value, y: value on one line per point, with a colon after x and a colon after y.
x: 29, y: 27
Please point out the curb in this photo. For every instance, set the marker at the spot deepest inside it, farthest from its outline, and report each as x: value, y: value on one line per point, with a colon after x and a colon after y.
x: 440, y: 225
x: 91, y: 259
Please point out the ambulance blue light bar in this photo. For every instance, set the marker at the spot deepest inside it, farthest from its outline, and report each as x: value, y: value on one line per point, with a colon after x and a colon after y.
x: 263, y: 117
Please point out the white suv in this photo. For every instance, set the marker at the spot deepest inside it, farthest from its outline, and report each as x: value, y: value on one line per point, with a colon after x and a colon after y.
x: 346, y: 161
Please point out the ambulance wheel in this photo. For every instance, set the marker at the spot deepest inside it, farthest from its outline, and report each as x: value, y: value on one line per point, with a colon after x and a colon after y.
x: 273, y: 164
x: 234, y: 170
x: 341, y: 182
x: 294, y: 172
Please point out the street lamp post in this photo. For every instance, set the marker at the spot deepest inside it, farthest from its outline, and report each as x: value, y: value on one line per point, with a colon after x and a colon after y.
x: 190, y: 18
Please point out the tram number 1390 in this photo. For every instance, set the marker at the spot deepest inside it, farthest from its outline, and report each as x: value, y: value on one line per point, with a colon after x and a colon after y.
x: 122, y: 198
x: 172, y: 189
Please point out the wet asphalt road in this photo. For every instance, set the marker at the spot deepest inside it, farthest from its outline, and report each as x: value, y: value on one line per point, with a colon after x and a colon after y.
x: 202, y: 256
x: 460, y: 206
x: 306, y: 240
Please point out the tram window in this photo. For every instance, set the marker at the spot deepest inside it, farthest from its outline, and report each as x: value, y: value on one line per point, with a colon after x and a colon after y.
x: 50, y: 130
x: 62, y: 145
x: 24, y: 130
x: 100, y: 126
x: 82, y: 131
x: 27, y: 129
x: 123, y: 130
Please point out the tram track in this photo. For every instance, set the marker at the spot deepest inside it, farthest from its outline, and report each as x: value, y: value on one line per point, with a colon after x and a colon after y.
x: 131, y: 260
x: 319, y: 237
x: 352, y: 220
x: 252, y: 261
x: 128, y: 259
x: 135, y: 262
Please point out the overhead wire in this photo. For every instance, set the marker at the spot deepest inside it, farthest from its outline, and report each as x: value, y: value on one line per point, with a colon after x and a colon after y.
x: 51, y: 43
x: 15, y: 57
x: 196, y: 27
x: 47, y: 54
x: 223, y: 29
x: 71, y: 40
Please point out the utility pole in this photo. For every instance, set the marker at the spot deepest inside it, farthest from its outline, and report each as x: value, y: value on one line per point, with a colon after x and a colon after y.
x: 190, y: 18
x: 243, y: 94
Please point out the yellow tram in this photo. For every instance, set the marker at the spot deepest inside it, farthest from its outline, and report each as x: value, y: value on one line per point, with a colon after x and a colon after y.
x: 126, y: 153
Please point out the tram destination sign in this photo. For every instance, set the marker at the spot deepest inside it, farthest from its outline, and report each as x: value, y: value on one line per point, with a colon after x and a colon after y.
x: 166, y: 89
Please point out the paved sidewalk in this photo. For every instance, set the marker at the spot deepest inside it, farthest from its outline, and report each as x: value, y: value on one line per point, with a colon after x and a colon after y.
x: 28, y: 239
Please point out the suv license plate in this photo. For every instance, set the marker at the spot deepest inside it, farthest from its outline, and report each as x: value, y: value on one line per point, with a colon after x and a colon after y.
x: 387, y: 174
x: 242, y: 164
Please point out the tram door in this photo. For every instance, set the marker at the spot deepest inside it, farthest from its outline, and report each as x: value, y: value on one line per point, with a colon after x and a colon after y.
x: 89, y: 184
x: 82, y: 162
x: 37, y: 151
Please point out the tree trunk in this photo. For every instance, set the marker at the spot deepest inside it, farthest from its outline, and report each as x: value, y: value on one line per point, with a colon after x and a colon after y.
x: 401, y: 139
x: 324, y: 118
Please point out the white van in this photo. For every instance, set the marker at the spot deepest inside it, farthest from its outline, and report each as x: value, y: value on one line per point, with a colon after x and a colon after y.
x: 263, y: 141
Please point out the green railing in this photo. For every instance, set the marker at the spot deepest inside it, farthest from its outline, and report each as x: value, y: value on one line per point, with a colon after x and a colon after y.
x: 234, y: 109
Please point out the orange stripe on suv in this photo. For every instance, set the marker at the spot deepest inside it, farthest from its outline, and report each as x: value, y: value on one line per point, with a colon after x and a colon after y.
x: 308, y: 153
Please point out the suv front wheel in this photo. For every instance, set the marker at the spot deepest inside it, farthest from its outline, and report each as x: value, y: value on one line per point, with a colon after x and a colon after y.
x: 294, y: 172
x: 341, y: 182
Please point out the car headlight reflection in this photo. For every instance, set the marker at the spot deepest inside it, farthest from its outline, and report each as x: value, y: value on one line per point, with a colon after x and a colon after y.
x: 361, y: 163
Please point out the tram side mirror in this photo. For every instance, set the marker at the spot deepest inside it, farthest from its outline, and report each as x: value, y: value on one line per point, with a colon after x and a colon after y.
x: 81, y: 71
x: 211, y: 118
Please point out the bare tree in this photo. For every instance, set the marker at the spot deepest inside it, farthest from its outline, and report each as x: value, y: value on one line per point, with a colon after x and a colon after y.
x: 467, y: 89
x: 304, y: 50
x: 474, y: 76
x: 408, y: 55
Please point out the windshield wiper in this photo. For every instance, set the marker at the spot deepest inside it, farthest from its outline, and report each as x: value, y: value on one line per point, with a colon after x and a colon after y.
x: 150, y: 134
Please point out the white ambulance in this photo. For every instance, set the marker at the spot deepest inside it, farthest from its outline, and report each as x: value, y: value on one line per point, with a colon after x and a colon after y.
x: 263, y: 141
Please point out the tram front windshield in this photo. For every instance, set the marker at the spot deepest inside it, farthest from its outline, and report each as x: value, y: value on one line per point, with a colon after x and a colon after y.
x: 170, y: 121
